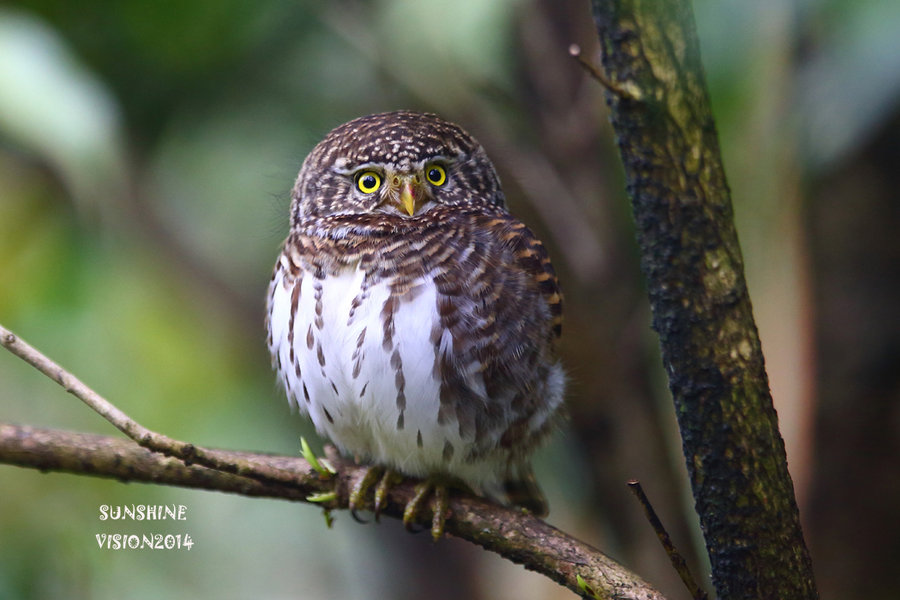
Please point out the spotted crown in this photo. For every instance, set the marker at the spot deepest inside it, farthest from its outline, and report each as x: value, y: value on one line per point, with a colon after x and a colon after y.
x: 401, y: 139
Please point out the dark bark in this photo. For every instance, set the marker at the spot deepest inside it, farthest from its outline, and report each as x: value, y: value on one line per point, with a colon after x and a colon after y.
x: 701, y: 309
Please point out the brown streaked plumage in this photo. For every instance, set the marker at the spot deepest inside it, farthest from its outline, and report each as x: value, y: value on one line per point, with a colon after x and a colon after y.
x: 410, y: 315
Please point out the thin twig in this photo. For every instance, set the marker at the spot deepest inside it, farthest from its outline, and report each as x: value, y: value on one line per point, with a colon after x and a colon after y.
x: 675, y: 556
x: 147, y: 438
x: 630, y: 94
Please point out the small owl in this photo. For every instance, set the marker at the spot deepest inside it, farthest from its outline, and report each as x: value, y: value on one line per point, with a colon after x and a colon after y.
x: 411, y: 316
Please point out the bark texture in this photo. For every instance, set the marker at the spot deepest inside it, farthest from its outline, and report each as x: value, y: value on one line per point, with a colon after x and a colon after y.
x: 701, y: 309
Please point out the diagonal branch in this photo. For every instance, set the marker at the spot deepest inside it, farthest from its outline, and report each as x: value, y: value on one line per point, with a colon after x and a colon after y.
x: 145, y: 437
x: 516, y: 535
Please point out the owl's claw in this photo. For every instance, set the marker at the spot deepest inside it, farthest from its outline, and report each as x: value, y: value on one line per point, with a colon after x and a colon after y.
x: 381, y: 491
x: 439, y: 507
x: 386, y: 478
x: 439, y: 516
x: 360, y: 489
x: 357, y: 518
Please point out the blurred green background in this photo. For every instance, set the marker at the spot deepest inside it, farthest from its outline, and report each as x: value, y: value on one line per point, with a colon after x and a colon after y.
x: 147, y: 150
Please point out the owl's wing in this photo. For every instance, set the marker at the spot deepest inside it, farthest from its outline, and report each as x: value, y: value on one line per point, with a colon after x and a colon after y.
x: 500, y: 301
x: 531, y: 368
x: 532, y: 257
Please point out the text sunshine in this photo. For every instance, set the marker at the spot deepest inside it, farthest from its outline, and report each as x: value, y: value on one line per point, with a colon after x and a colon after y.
x: 143, y: 512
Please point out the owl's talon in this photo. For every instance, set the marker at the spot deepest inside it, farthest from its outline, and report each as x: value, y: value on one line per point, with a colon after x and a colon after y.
x: 381, y: 491
x: 438, y: 517
x: 357, y: 518
x: 412, y: 507
x: 361, y: 488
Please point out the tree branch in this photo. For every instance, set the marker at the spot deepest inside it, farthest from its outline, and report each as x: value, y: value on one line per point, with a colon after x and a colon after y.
x: 701, y: 309
x: 105, y: 456
x: 516, y: 535
x: 137, y: 432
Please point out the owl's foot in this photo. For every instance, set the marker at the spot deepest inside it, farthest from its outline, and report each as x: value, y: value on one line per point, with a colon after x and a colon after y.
x: 385, y: 478
x: 439, y: 508
x: 384, y: 486
x: 360, y: 489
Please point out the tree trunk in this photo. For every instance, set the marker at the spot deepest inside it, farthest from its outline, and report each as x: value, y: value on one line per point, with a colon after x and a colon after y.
x: 701, y: 309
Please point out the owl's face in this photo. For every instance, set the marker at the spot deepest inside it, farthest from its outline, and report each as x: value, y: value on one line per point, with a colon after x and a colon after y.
x: 400, y: 163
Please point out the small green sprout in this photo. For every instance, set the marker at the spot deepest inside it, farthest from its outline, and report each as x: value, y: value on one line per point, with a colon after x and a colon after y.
x: 322, y: 497
x: 588, y: 590
x: 322, y: 467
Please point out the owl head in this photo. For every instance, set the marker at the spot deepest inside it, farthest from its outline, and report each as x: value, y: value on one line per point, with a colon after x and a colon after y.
x: 398, y: 163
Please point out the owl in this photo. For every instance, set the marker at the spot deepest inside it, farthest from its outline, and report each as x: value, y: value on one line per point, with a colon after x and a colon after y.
x: 412, y: 318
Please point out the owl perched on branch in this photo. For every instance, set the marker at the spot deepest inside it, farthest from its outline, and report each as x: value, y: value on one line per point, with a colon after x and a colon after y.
x: 412, y: 317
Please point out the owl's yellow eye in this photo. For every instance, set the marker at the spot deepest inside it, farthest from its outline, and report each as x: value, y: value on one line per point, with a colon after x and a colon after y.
x: 368, y: 182
x: 436, y: 175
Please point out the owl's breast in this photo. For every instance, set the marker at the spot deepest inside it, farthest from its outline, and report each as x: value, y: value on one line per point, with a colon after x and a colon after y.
x: 427, y: 351
x: 362, y: 355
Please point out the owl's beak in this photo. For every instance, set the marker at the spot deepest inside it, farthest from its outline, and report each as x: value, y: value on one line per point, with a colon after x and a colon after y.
x: 410, y: 194
x: 407, y: 198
